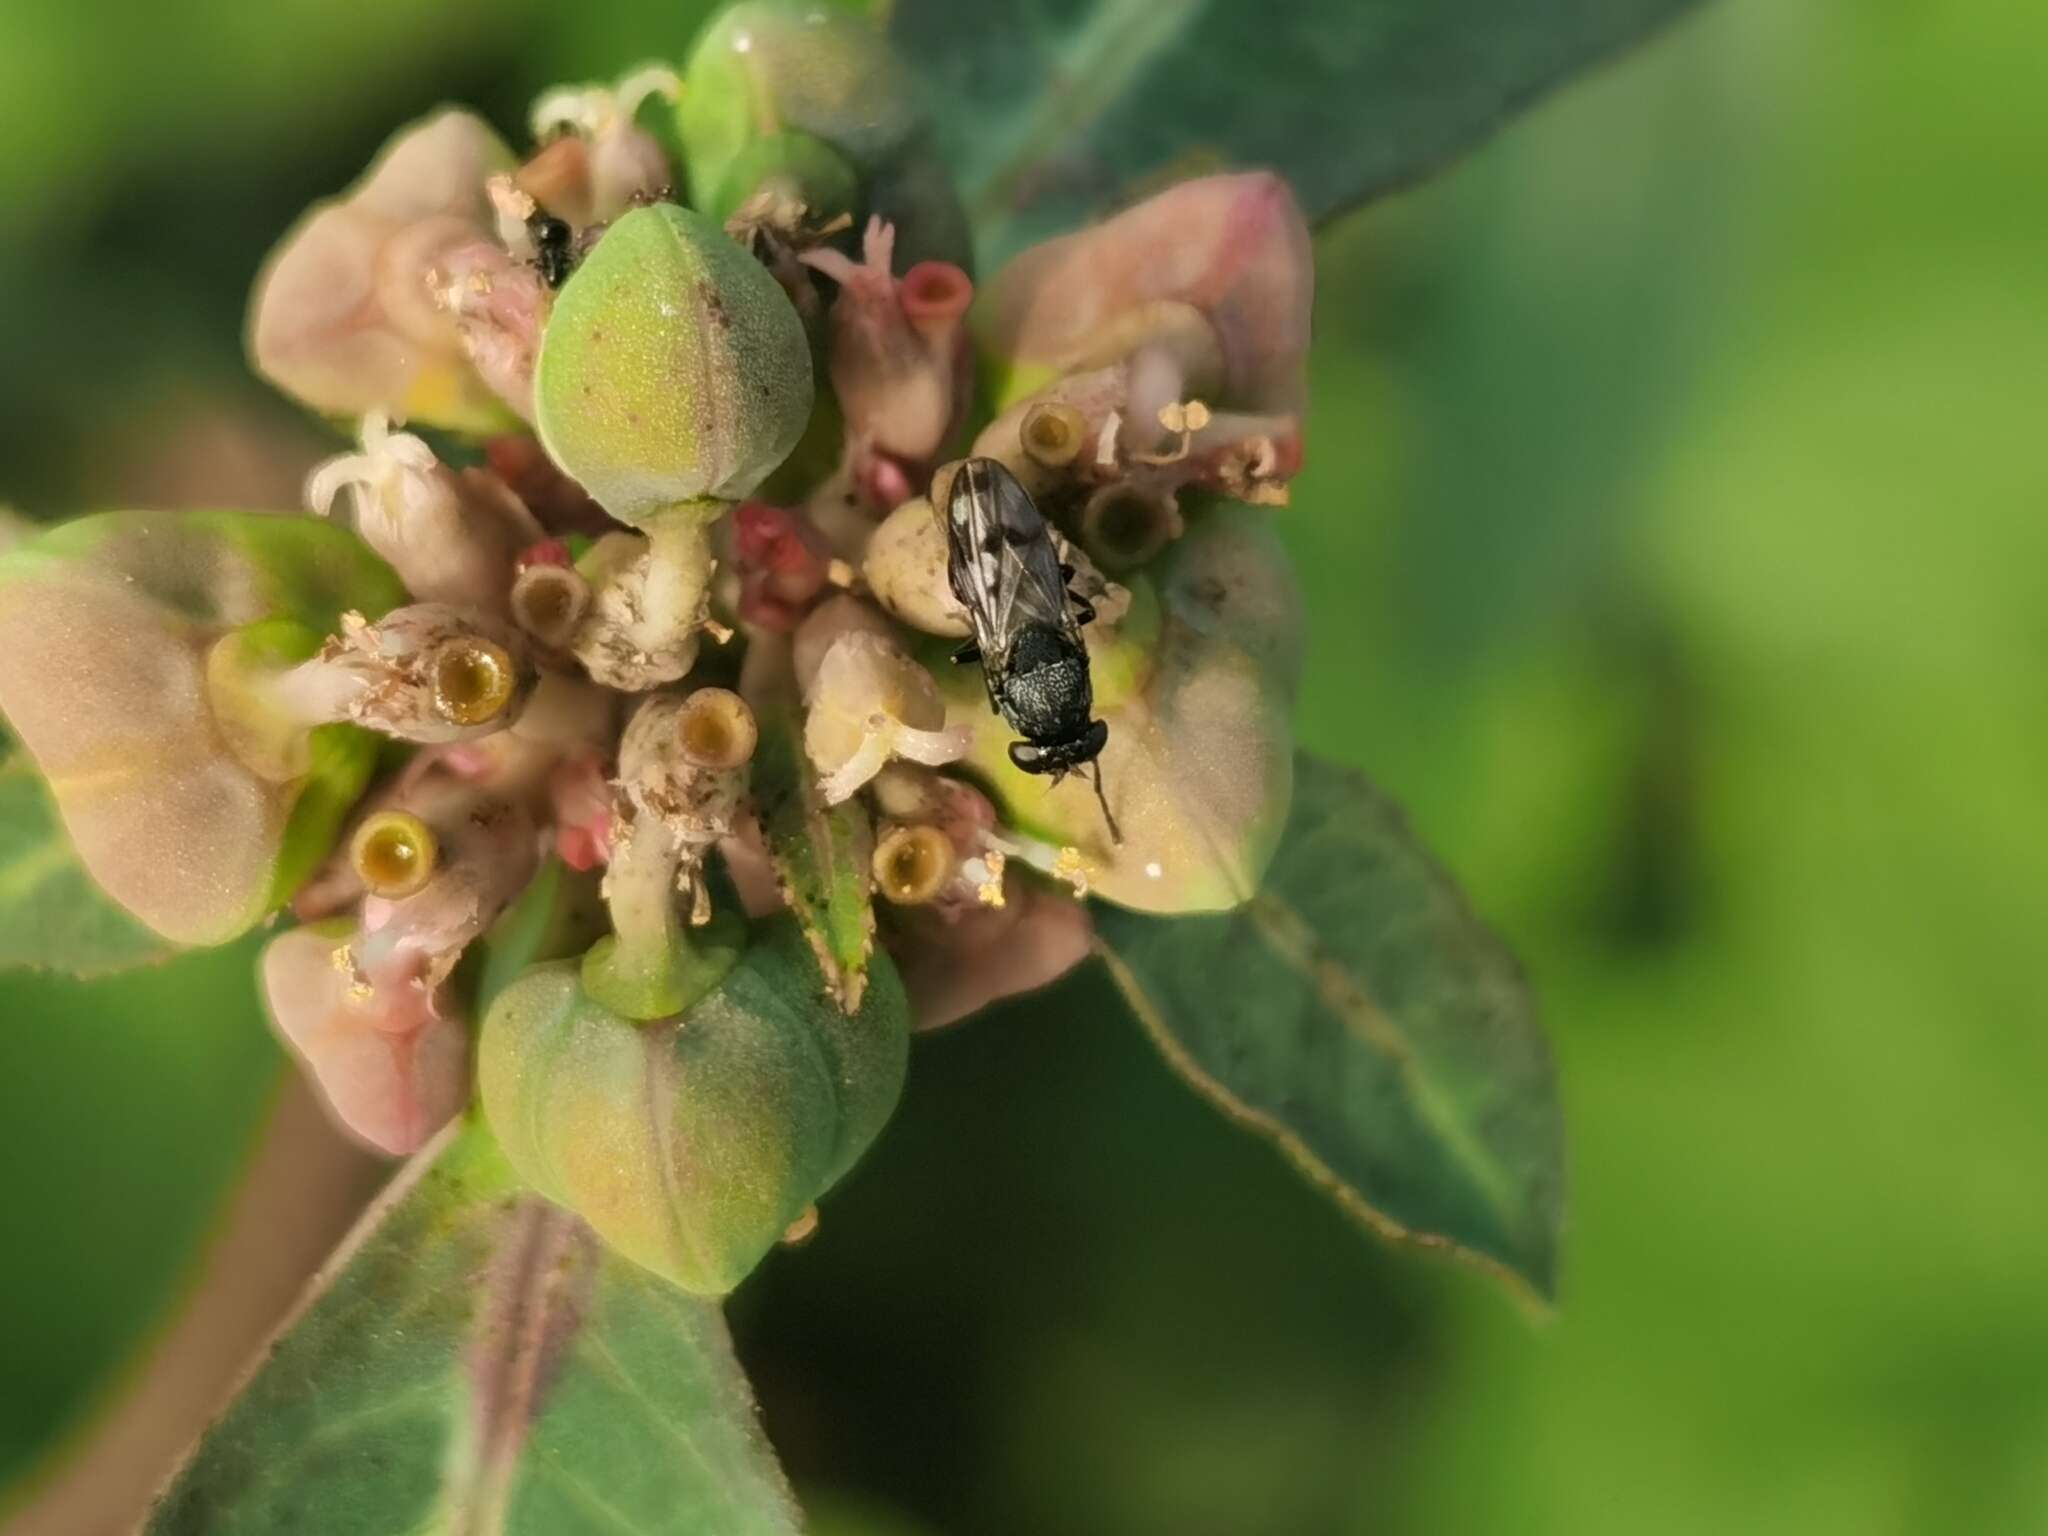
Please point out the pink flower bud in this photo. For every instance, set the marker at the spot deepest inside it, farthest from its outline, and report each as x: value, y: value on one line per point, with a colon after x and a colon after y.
x: 580, y: 796
x: 955, y: 961
x: 390, y: 1069
x: 346, y: 315
x: 900, y: 362
x: 365, y: 1004
x: 558, y: 501
x: 1232, y: 249
x: 499, y: 305
x: 782, y: 564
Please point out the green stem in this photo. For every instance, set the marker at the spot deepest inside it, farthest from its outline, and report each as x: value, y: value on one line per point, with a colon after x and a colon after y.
x: 653, y: 966
x: 679, y: 564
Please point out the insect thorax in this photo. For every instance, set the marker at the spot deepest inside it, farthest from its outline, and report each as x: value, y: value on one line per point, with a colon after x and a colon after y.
x: 1043, y: 688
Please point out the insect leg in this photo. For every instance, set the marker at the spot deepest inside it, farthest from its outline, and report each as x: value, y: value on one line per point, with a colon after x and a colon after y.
x: 967, y: 654
x: 1084, y: 611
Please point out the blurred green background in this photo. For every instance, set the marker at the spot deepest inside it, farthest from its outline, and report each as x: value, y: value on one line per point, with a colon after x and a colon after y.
x: 1676, y: 538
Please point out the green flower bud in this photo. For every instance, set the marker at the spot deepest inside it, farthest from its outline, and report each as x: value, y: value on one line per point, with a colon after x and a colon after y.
x: 1196, y: 684
x: 806, y: 75
x: 107, y: 626
x: 674, y: 372
x: 787, y: 166
x: 692, y: 1144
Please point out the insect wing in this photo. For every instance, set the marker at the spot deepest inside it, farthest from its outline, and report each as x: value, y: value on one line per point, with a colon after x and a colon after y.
x: 1000, y: 558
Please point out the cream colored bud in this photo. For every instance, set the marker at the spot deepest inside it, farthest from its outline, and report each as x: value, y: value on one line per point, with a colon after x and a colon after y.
x: 905, y: 567
x: 868, y: 704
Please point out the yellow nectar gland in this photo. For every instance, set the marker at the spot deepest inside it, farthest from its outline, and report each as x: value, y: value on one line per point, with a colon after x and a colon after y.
x: 913, y: 864
x: 394, y: 854
x: 473, y: 681
x: 549, y: 602
x: 1052, y: 433
x: 715, y: 729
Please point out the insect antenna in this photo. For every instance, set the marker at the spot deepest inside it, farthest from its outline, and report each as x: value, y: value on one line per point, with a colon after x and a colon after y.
x: 1102, y: 800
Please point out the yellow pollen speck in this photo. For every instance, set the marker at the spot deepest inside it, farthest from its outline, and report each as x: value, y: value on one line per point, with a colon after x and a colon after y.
x: 991, y: 891
x: 1070, y: 867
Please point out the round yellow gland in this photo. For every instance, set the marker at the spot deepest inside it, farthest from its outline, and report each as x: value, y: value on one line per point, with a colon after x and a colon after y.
x: 394, y: 854
x: 673, y: 370
x: 1052, y: 433
x: 715, y: 729
x: 473, y: 681
x: 549, y: 602
x: 913, y: 863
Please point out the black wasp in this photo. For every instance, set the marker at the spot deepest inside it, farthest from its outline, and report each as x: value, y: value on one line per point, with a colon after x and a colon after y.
x: 1003, y: 567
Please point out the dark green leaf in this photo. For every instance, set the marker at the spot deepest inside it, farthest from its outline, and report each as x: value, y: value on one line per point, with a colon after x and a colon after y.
x: 474, y: 1361
x: 52, y: 915
x: 1053, y: 110
x: 823, y: 856
x: 1359, y: 1014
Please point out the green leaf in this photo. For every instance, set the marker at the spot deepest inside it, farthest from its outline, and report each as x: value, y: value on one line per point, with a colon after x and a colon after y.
x: 1358, y: 1013
x: 473, y: 1361
x: 131, y: 1107
x: 52, y: 915
x: 1050, y: 111
x: 823, y: 856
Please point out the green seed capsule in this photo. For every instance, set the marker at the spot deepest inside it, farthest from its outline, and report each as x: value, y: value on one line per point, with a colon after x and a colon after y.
x: 674, y: 370
x: 691, y: 1144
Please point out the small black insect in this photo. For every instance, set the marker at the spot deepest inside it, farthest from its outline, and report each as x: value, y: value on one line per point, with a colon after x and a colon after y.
x: 552, y: 244
x: 1002, y: 565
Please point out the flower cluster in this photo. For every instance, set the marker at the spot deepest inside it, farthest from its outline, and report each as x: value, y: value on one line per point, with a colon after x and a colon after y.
x: 627, y: 624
